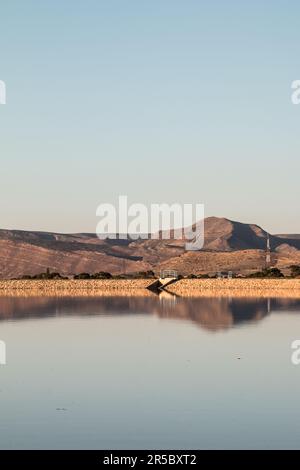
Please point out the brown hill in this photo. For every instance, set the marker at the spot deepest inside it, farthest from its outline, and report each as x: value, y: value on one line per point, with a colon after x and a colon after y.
x: 228, y: 245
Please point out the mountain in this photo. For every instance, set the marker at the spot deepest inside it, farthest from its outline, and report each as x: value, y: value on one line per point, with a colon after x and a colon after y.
x: 228, y: 245
x: 226, y: 235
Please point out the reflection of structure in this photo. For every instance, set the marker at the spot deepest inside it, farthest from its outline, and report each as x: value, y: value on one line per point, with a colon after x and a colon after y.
x: 211, y: 313
x: 167, y: 300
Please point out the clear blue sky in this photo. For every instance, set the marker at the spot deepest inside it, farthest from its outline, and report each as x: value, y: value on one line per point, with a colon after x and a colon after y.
x: 162, y: 100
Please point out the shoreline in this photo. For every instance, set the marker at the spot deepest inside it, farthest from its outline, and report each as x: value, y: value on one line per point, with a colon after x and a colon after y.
x: 236, y: 288
x: 138, y: 287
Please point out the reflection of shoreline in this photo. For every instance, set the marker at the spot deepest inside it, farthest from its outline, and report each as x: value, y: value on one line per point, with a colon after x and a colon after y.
x: 209, y: 313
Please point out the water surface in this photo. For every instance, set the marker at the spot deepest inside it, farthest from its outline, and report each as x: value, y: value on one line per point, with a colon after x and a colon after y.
x: 149, y: 372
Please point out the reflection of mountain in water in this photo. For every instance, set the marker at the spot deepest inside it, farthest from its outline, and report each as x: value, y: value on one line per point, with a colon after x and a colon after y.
x: 210, y: 313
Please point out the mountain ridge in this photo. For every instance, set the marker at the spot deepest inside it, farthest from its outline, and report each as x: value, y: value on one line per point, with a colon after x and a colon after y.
x: 228, y: 244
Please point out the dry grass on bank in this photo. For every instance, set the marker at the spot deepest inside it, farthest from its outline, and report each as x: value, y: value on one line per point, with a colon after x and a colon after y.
x: 137, y: 287
x: 236, y: 288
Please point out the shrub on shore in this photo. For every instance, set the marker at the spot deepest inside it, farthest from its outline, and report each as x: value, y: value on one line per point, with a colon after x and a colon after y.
x: 138, y: 275
x: 41, y: 276
x: 106, y: 275
x: 82, y: 276
x: 100, y: 275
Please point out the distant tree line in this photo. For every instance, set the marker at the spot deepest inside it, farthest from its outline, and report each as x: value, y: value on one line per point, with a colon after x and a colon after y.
x: 276, y: 273
x: 267, y: 273
x: 46, y: 275
x: 106, y: 275
x: 270, y: 273
x: 99, y: 275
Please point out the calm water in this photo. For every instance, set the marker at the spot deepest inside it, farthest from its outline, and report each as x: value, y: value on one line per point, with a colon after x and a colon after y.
x: 149, y: 372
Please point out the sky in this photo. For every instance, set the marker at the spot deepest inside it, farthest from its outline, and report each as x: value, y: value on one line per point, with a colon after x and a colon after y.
x: 163, y: 101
